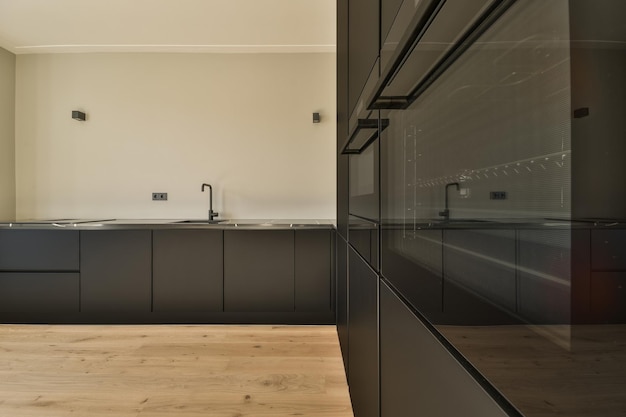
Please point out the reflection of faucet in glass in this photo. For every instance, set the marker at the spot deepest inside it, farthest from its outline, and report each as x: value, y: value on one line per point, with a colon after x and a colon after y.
x: 446, y: 211
x: 212, y: 214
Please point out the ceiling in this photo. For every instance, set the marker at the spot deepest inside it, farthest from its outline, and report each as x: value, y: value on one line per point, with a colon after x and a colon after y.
x: 230, y: 26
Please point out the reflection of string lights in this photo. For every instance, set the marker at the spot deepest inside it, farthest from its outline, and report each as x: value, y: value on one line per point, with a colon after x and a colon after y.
x: 521, y: 167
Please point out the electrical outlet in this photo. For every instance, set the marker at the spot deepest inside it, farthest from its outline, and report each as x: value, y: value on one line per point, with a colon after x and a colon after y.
x: 159, y: 196
x: 497, y: 195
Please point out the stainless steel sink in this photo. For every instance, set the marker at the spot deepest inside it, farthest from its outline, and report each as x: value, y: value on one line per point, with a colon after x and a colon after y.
x: 465, y: 221
x: 272, y: 225
x: 199, y: 221
x: 243, y: 224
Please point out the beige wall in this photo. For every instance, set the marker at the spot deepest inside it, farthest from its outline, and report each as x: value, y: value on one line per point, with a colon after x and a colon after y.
x: 7, y: 135
x: 168, y: 123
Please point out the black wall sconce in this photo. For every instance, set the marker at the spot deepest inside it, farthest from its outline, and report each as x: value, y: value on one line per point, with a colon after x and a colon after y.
x: 316, y: 118
x: 79, y: 115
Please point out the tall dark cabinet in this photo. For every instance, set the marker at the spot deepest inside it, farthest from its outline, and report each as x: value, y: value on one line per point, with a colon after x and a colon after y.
x: 342, y: 298
x: 342, y: 180
x: 417, y: 376
x: 482, y: 215
x: 363, y: 377
x: 342, y: 118
x: 363, y: 45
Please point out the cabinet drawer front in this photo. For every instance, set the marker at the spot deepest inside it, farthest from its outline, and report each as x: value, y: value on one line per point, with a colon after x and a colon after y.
x: 608, y: 250
x: 38, y: 250
x: 26, y: 292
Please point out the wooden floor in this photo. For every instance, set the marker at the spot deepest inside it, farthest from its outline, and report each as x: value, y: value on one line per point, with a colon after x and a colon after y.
x: 542, y: 376
x: 166, y: 370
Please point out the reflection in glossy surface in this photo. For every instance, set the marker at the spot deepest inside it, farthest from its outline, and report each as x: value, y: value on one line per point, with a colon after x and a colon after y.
x: 537, y: 306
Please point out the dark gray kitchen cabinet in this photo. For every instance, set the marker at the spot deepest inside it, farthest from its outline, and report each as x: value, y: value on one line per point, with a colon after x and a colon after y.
x: 38, y: 250
x: 608, y: 297
x: 479, y: 276
x: 259, y: 271
x: 607, y: 289
x: 39, y: 271
x: 363, y: 337
x: 39, y: 292
x: 608, y: 250
x: 363, y: 45
x: 116, y: 271
x: 343, y: 115
x: 418, y: 375
x: 313, y: 276
x: 544, y: 288
x: 342, y: 298
x: 188, y: 270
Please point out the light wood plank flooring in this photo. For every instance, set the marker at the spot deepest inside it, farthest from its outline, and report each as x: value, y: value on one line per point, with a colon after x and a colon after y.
x: 544, y: 378
x: 171, y: 370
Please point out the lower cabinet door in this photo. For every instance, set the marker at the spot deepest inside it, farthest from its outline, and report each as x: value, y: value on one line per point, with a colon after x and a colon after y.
x: 362, y: 336
x: 259, y: 271
x: 188, y: 270
x: 342, y: 298
x: 608, y: 297
x: 313, y: 270
x: 39, y: 292
x: 418, y: 375
x: 116, y: 271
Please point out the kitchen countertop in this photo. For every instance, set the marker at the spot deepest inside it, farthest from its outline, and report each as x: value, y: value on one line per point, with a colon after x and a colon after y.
x: 289, y: 224
x: 226, y: 224
x: 501, y: 223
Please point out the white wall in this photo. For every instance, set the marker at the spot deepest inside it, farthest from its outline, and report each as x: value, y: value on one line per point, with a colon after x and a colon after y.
x: 168, y: 123
x: 7, y: 135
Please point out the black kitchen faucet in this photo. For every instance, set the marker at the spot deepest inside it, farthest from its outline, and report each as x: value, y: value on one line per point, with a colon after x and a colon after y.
x: 212, y: 214
x: 446, y: 211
